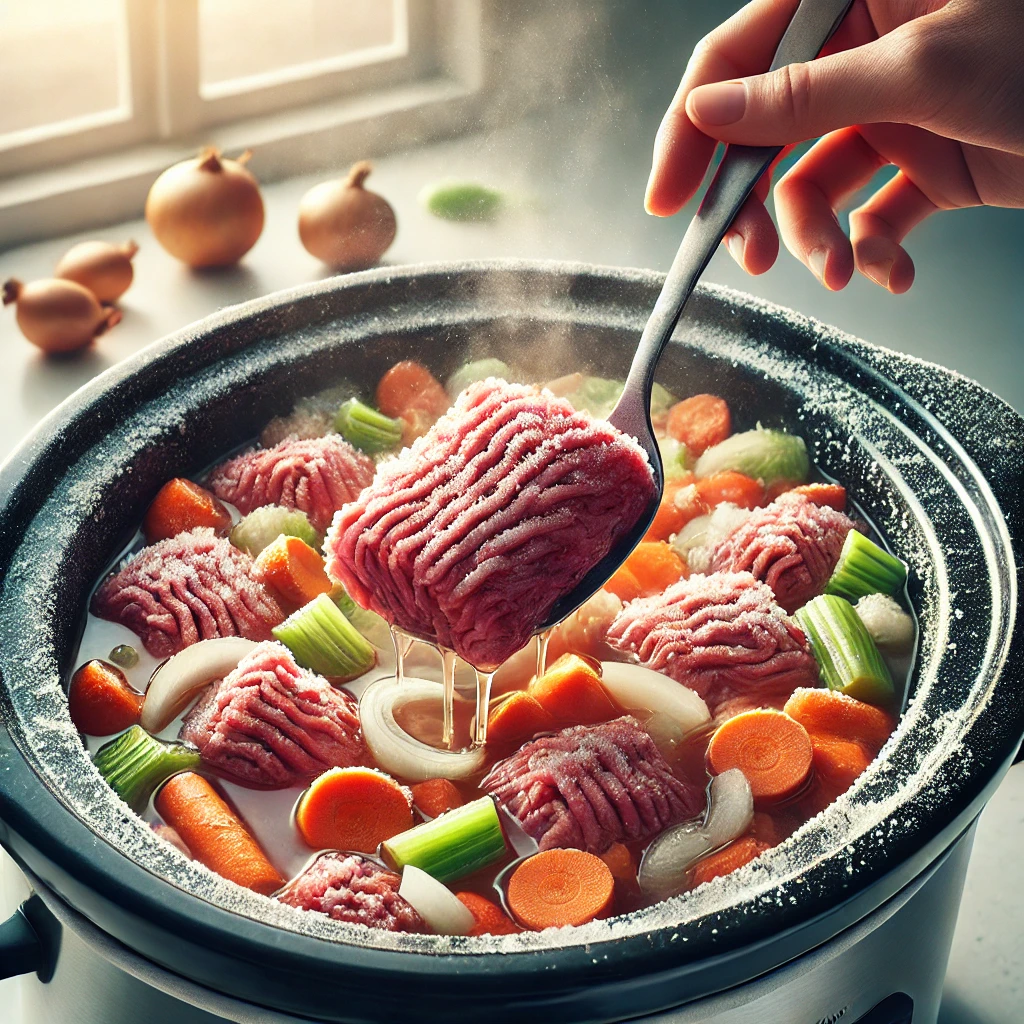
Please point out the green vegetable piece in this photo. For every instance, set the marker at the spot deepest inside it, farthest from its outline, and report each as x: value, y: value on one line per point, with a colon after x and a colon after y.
x: 135, y: 763
x: 661, y: 400
x: 865, y: 568
x: 847, y: 655
x: 125, y: 656
x: 675, y: 457
x: 455, y: 844
x: 598, y: 396
x: 262, y: 526
x: 462, y: 201
x: 766, y: 455
x: 367, y: 429
x: 322, y: 639
x: 478, y: 369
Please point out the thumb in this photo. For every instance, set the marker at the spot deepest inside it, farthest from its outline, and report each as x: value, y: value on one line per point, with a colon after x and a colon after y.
x: 868, y: 83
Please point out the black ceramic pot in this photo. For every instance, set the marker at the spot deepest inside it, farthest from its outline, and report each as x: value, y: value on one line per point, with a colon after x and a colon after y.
x: 934, y: 459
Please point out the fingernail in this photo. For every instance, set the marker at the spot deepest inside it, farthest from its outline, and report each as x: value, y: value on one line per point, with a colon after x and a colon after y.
x: 721, y: 103
x: 734, y: 243
x: 878, y: 272
x: 816, y: 261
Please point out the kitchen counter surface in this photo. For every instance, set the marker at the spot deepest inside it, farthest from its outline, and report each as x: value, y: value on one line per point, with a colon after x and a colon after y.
x: 576, y: 194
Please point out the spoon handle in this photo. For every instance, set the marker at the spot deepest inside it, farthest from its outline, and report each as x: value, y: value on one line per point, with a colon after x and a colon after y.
x: 741, y: 167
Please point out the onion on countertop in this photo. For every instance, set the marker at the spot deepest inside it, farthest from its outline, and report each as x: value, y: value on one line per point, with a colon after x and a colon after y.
x: 344, y: 224
x: 58, y: 315
x: 207, y: 211
x: 102, y: 267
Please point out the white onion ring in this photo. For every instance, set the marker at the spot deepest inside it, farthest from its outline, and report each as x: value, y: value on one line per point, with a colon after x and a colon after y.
x: 731, y: 807
x: 636, y: 687
x: 434, y: 902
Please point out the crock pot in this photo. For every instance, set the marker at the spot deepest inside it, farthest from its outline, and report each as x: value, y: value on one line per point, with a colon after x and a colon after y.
x: 850, y: 919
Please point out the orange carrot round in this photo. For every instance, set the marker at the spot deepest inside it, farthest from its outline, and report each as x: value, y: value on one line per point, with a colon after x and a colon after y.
x: 435, y: 796
x: 656, y: 565
x: 727, y: 860
x: 620, y: 862
x: 838, y: 762
x: 679, y: 504
x: 624, y: 584
x: 352, y: 809
x: 731, y: 486
x: 214, y: 834
x: 764, y: 829
x: 181, y: 505
x: 409, y: 386
x: 490, y: 918
x: 571, y: 691
x: 560, y: 887
x: 518, y: 717
x: 700, y: 422
x: 835, y: 714
x: 833, y: 495
x: 293, y: 569
x: 100, y: 700
x: 770, y: 748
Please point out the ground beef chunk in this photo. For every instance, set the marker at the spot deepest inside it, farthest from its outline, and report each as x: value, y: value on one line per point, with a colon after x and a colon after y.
x: 722, y: 635
x: 353, y: 889
x: 270, y: 724
x: 590, y: 786
x: 316, y: 475
x: 792, y: 545
x: 188, y: 588
x: 471, y: 534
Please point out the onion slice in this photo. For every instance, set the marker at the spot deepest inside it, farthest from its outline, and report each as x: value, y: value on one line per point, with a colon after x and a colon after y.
x: 394, y: 749
x: 434, y: 902
x: 667, y: 861
x: 731, y: 807
x: 177, y: 679
x: 636, y: 687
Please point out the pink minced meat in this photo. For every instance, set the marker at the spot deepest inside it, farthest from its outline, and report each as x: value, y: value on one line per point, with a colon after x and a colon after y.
x: 355, y: 890
x: 590, y: 786
x: 191, y: 587
x: 792, y: 545
x: 723, y: 636
x: 471, y: 534
x: 270, y: 724
x: 316, y: 475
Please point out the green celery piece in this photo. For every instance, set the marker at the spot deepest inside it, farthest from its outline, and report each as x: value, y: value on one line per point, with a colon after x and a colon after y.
x: 366, y: 428
x: 675, y: 457
x: 478, y: 369
x: 845, y: 651
x: 321, y: 638
x: 661, y: 400
x: 135, y: 763
x: 865, y: 568
x: 766, y: 455
x: 454, y: 844
x: 462, y: 201
x: 598, y: 395
x: 262, y: 526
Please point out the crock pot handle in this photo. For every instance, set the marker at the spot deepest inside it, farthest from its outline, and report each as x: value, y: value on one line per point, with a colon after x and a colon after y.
x: 29, y: 941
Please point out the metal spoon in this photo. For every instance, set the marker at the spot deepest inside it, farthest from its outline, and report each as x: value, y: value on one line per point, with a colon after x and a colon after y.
x: 741, y: 167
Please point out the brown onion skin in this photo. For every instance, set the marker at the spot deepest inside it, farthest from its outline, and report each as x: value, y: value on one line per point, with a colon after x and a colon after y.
x: 102, y: 267
x: 206, y: 212
x: 58, y: 315
x: 345, y: 225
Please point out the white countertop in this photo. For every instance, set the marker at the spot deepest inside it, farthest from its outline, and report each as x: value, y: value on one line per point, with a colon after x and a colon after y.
x: 583, y: 202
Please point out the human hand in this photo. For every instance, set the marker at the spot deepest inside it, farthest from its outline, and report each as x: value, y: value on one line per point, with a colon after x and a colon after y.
x: 935, y: 88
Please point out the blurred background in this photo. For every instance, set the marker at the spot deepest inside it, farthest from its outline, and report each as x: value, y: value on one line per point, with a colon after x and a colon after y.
x: 554, y: 106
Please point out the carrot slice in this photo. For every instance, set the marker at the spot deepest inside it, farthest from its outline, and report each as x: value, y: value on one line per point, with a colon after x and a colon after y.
x: 620, y: 862
x: 409, y: 386
x: 181, y: 505
x: 833, y: 713
x: 293, y: 569
x: 729, y: 485
x: 571, y: 691
x: 764, y: 829
x: 656, y: 565
x: 679, y: 504
x: 490, y: 918
x: 727, y: 860
x: 352, y: 809
x: 769, y: 747
x: 839, y: 762
x: 518, y: 717
x: 833, y: 495
x: 699, y: 422
x: 435, y: 796
x: 214, y: 834
x: 624, y: 584
x: 100, y: 700
x: 560, y: 887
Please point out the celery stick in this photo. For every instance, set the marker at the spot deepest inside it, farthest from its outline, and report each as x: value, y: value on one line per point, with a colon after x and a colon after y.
x: 457, y: 843
x: 847, y: 655
x: 322, y: 639
x: 865, y: 568
x: 367, y: 429
x: 135, y: 763
x: 262, y: 526
x: 766, y: 455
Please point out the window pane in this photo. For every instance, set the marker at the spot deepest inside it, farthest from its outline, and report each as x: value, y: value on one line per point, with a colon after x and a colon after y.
x: 243, y: 38
x: 60, y: 60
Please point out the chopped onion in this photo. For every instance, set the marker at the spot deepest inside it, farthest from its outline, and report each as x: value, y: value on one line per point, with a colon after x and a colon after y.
x: 394, y: 749
x: 667, y: 861
x: 180, y: 676
x: 435, y: 903
x: 665, y: 732
x: 731, y: 807
x: 890, y: 626
x: 639, y: 688
x: 692, y: 535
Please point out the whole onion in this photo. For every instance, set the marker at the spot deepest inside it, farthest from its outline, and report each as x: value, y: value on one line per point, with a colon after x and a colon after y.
x: 102, y: 267
x: 207, y: 211
x: 58, y: 315
x: 344, y: 224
